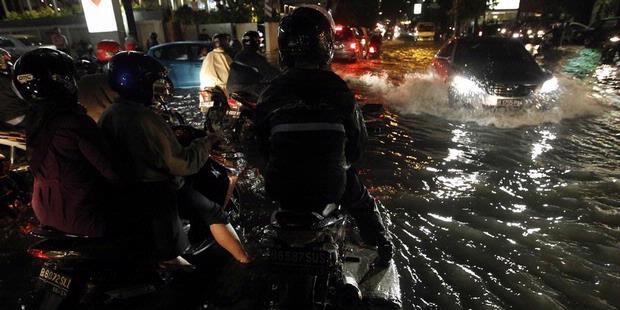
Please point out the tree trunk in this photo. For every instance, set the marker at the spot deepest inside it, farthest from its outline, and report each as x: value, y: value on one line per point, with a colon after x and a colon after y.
x: 5, y: 8
x: 131, y: 21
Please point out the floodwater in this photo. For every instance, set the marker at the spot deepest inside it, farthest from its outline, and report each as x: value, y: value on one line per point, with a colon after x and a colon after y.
x: 493, y: 210
x: 488, y: 210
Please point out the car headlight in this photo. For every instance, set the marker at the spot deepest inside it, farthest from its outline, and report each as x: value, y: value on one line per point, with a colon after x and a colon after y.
x: 614, y: 39
x: 550, y: 85
x: 466, y: 86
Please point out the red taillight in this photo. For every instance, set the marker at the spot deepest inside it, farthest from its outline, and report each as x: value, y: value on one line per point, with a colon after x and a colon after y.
x: 339, y: 28
x: 353, y: 46
x: 371, y: 50
x: 38, y: 253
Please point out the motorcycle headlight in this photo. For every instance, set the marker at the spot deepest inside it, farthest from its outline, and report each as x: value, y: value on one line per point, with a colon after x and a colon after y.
x: 614, y: 39
x: 550, y: 85
x: 466, y: 86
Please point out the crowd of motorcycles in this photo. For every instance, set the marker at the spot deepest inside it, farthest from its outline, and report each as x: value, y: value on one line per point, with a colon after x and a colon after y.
x: 306, y: 260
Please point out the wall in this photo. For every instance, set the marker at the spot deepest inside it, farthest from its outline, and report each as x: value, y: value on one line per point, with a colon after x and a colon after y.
x: 212, y: 29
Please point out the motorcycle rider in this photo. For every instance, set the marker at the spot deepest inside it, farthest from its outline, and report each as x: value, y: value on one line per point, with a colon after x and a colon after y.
x: 12, y: 108
x: 216, y: 66
x: 149, y: 157
x: 65, y: 149
x: 249, y: 68
x: 312, y: 129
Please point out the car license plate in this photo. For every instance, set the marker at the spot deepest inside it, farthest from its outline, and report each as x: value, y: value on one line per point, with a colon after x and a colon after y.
x: 299, y: 257
x: 509, y: 103
x: 59, y: 282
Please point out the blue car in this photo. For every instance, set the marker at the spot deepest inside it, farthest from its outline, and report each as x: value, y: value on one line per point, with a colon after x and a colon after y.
x: 183, y: 60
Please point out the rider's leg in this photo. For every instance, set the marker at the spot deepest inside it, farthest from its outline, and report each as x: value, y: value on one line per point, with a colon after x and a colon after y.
x: 226, y: 237
x: 363, y: 208
x: 206, y: 213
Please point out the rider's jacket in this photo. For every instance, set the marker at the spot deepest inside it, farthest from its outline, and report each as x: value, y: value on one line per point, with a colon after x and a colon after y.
x: 214, y: 70
x: 68, y: 164
x: 311, y: 129
x: 145, y: 148
x: 249, y: 73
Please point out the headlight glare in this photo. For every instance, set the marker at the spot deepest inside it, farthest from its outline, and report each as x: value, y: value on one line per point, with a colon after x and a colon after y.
x: 550, y: 85
x: 466, y: 86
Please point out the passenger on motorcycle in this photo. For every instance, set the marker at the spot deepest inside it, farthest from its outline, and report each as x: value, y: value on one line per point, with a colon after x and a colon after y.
x: 250, y: 69
x: 312, y: 130
x: 149, y: 158
x: 65, y: 148
x: 12, y: 109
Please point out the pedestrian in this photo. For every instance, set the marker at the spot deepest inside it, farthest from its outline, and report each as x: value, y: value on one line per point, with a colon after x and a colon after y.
x: 60, y: 41
x: 152, y: 41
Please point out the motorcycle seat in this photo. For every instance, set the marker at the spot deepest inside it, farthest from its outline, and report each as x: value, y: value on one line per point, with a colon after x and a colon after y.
x: 302, y: 220
x: 47, y: 232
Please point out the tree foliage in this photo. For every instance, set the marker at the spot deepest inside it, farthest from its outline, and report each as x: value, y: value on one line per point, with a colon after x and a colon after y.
x: 357, y: 12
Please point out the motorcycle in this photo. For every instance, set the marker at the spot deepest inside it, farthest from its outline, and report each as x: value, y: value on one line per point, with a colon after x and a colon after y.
x: 319, y: 264
x: 80, y: 271
x: 246, y: 105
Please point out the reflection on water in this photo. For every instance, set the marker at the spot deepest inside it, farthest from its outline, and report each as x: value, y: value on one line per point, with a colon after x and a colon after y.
x: 497, y: 211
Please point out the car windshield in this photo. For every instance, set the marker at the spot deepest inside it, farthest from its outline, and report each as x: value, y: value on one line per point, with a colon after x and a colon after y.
x: 426, y: 28
x: 484, y: 53
x: 28, y: 41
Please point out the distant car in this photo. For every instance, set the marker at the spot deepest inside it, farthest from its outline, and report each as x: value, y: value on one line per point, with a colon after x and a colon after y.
x: 347, y: 45
x: 17, y: 45
x: 599, y: 32
x: 183, y: 61
x: 492, y: 72
x: 424, y: 31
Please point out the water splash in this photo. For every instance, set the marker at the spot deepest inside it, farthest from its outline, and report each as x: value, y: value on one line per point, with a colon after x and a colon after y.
x: 425, y: 93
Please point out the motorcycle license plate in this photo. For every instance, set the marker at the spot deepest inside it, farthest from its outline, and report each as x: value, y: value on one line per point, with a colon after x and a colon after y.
x: 509, y: 103
x: 60, y: 283
x: 299, y: 257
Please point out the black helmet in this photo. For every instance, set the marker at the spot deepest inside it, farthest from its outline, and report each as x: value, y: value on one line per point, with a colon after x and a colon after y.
x: 251, y: 40
x: 219, y: 40
x: 306, y: 35
x: 6, y: 65
x: 133, y: 76
x: 45, y: 74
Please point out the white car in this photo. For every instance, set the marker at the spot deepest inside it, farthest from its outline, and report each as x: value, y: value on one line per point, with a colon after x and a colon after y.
x: 424, y: 31
x: 17, y: 45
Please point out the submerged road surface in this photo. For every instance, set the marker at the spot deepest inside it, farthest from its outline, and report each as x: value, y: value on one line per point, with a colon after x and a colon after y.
x: 515, y: 210
x: 497, y: 210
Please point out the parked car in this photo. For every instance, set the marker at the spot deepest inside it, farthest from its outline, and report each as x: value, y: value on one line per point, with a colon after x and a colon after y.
x: 599, y: 32
x: 17, y: 45
x: 492, y: 72
x: 183, y: 60
x: 347, y: 45
x: 424, y: 31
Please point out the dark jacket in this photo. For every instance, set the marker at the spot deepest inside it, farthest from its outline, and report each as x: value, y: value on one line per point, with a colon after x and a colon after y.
x: 311, y: 129
x: 69, y: 167
x: 145, y: 147
x: 250, y: 72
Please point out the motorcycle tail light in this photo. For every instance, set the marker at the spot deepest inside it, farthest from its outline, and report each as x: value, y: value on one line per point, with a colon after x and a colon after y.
x: 371, y: 50
x: 353, y: 46
x: 38, y: 253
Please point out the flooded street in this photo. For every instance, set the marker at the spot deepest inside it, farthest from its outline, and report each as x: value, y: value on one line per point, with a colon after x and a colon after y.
x: 489, y: 210
x: 494, y: 210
